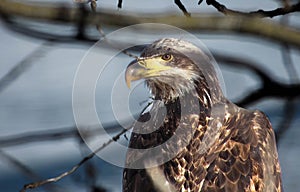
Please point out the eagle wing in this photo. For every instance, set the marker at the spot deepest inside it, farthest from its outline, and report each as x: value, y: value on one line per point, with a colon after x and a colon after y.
x: 247, y: 160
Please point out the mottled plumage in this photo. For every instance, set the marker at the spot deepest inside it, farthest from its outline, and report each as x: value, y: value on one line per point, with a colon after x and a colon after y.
x: 204, y: 142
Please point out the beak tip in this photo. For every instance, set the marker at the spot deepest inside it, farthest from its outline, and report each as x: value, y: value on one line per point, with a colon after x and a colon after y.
x: 134, y: 71
x: 128, y: 79
x: 128, y: 84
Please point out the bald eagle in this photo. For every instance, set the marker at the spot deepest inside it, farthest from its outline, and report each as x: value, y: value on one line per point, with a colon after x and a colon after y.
x: 193, y: 138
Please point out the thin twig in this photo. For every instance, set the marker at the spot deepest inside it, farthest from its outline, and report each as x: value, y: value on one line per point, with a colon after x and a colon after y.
x: 94, y: 8
x: 261, y: 13
x: 73, y: 169
x: 222, y: 8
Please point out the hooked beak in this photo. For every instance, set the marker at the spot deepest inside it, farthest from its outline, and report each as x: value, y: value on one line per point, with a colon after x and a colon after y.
x: 134, y: 72
x: 144, y: 68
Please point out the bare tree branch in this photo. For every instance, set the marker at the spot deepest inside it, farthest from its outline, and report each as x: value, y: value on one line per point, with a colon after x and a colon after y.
x: 261, y: 13
x: 270, y: 87
x: 241, y: 24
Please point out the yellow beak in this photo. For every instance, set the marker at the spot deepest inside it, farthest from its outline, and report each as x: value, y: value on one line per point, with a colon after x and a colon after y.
x: 144, y: 68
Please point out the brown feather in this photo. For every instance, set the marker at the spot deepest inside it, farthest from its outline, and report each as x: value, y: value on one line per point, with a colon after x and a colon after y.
x: 229, y: 149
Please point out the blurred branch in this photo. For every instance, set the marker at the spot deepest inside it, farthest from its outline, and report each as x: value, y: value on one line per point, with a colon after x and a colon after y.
x: 269, y: 88
x: 288, y: 63
x: 74, y: 168
x: 52, y: 135
x: 91, y: 171
x: 94, y: 9
x: 286, y: 56
x: 120, y: 4
x: 182, y: 8
x: 241, y: 24
x: 38, y: 136
x: 289, y: 105
x: 289, y: 112
x: 22, y: 66
x: 261, y: 13
x: 23, y: 168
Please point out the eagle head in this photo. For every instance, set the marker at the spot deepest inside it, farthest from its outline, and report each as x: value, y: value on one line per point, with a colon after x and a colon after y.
x: 172, y: 68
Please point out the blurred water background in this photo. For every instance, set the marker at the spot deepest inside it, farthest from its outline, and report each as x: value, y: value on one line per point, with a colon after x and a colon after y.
x: 41, y: 98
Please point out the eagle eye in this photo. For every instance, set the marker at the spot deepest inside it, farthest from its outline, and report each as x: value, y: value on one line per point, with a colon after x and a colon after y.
x: 166, y: 57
